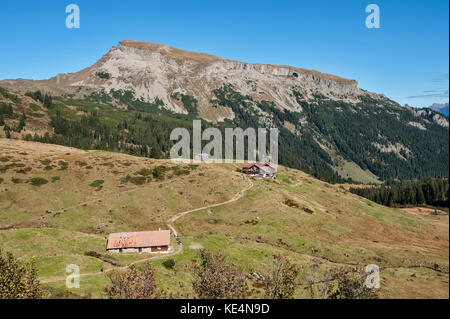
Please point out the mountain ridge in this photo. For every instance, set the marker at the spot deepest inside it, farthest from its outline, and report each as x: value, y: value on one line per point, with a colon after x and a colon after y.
x: 157, y: 71
x: 328, y: 128
x: 197, y: 56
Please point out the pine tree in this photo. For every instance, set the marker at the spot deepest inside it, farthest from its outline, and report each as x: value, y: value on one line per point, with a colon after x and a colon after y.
x: 419, y: 196
x: 7, y: 131
x: 21, y: 124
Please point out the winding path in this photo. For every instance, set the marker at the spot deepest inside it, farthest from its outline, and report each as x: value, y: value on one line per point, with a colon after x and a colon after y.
x: 170, y: 224
x: 235, y: 198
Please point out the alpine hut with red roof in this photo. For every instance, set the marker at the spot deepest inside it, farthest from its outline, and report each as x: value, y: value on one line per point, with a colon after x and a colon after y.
x: 260, y: 169
x: 146, y: 241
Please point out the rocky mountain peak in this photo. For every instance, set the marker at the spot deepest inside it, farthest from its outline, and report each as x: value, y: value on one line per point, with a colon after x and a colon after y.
x: 156, y: 72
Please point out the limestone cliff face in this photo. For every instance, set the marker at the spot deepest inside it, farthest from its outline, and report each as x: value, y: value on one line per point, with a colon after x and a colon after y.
x: 153, y: 71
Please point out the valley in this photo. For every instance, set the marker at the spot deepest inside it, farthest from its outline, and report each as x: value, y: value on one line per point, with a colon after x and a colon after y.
x: 86, y: 154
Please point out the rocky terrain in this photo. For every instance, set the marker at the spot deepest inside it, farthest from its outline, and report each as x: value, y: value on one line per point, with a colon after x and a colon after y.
x: 154, y: 71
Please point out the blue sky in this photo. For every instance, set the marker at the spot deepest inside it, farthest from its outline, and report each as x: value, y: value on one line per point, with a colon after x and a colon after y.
x: 406, y: 59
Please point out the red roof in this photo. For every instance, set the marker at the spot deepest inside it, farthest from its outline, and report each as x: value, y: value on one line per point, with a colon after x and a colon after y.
x: 271, y: 164
x: 139, y: 239
x: 259, y: 164
x: 264, y: 166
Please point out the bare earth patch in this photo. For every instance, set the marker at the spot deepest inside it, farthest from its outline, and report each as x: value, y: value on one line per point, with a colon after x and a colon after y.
x: 196, y: 246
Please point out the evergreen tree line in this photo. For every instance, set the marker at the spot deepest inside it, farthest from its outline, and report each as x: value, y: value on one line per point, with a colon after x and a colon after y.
x: 6, y: 111
x: 350, y: 130
x: 430, y: 191
x: 147, y: 136
x: 299, y: 153
x: 144, y: 134
x: 356, y: 130
x: 45, y: 99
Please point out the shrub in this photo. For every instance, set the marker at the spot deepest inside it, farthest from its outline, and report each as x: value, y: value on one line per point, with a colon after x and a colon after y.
x: 104, y: 257
x: 103, y: 75
x: 18, y: 280
x: 63, y: 165
x: 14, y: 98
x: 82, y: 164
x: 159, y: 172
x: 169, y: 264
x: 38, y: 181
x: 55, y: 178
x: 308, y: 210
x: 138, y: 180
x: 34, y: 107
x: 34, y: 114
x: 282, y: 281
x: 132, y: 283
x: 179, y: 171
x: 45, y: 162
x: 341, y: 283
x: 291, y: 203
x: 24, y: 171
x: 215, y: 278
x: 143, y: 172
x: 97, y: 183
x: 351, y: 285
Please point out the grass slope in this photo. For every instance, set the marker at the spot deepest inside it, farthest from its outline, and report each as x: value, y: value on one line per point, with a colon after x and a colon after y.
x: 317, y: 225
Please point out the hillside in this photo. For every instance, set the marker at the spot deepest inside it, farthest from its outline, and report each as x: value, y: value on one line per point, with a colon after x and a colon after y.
x: 57, y: 203
x: 328, y: 126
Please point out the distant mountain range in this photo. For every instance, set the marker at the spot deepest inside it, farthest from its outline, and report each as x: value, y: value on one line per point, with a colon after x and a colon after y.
x: 329, y: 127
x: 441, y: 108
